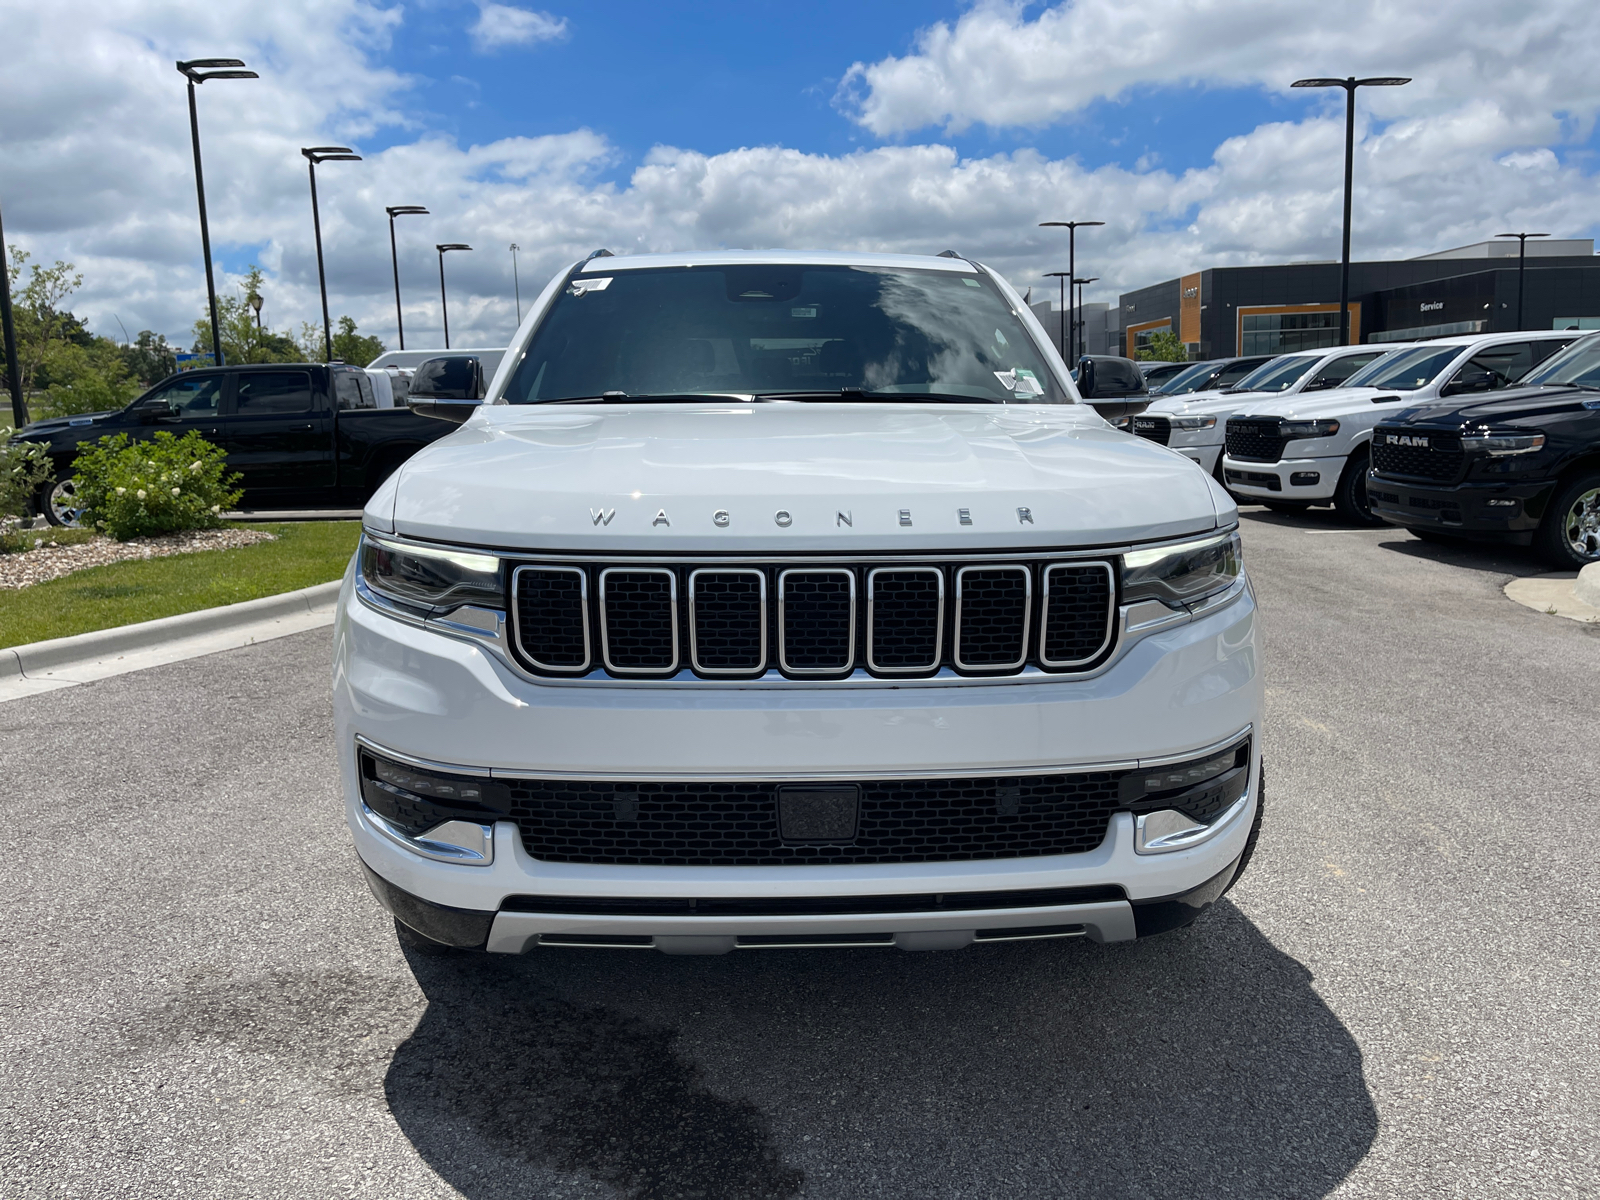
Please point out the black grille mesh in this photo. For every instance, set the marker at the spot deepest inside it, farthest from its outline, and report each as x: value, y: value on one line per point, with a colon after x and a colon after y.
x: 1078, y: 603
x: 905, y: 620
x: 993, y: 623
x: 639, y: 619
x: 727, y: 620
x: 550, y: 617
x: 1441, y: 459
x: 1156, y: 429
x: 736, y: 824
x: 1255, y: 441
x: 817, y: 620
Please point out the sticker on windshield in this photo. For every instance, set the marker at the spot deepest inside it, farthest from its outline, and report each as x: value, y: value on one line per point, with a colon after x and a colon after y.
x: 803, y: 312
x: 581, y: 287
x: 1020, y: 381
x: 972, y: 283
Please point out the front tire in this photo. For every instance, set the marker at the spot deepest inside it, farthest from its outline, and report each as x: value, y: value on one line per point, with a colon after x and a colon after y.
x: 58, y: 501
x: 1569, y: 536
x: 1351, y: 497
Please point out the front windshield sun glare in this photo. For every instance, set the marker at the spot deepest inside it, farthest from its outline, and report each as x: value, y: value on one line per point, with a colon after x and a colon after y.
x: 785, y: 331
x: 1279, y: 375
x: 1405, y: 370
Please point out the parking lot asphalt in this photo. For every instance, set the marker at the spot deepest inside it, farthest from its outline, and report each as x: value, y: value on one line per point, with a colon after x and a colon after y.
x: 201, y: 999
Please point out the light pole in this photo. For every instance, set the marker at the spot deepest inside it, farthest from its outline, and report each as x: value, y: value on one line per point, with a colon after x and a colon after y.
x: 1349, y: 85
x: 198, y: 70
x: 515, y: 284
x: 1522, y: 262
x: 1072, y: 246
x: 1061, y: 333
x: 8, y: 329
x: 400, y: 210
x: 315, y: 155
x: 1082, y: 340
x: 444, y: 306
x: 254, y: 301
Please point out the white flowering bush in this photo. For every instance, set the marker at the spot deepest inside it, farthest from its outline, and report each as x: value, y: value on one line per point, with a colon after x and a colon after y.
x: 136, y: 489
x: 23, y: 469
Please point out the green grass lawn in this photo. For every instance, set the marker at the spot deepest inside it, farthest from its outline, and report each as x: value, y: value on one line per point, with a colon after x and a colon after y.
x: 306, y: 553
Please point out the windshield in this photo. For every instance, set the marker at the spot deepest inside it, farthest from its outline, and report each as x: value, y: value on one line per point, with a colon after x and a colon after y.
x: 1406, y: 370
x: 1578, y: 363
x: 1188, y: 380
x: 776, y: 330
x: 1279, y: 375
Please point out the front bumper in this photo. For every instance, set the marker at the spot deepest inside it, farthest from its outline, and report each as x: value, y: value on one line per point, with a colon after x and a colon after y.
x: 1206, y: 454
x: 1290, y: 479
x: 424, y: 694
x: 1492, y: 510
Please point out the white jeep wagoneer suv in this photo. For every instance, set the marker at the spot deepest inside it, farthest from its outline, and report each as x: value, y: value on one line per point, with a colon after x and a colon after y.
x: 792, y: 599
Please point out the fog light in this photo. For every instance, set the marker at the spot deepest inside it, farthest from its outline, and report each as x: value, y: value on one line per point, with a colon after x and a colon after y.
x: 1305, y: 478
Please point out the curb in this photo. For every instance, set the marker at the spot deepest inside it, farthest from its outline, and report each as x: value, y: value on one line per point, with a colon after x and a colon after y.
x: 37, y: 657
x: 1555, y: 595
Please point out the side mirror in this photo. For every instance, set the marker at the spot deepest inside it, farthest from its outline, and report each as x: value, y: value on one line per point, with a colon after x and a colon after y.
x: 1086, y: 377
x: 450, y: 389
x: 1469, y: 379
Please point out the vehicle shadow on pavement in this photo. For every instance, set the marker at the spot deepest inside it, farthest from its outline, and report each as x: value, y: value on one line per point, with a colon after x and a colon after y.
x: 1194, y: 1064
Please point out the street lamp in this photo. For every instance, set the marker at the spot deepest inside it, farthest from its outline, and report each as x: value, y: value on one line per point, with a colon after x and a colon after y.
x: 1349, y: 85
x: 1082, y: 340
x: 1061, y: 332
x: 400, y: 210
x: 1072, y: 245
x: 444, y: 306
x: 198, y: 70
x: 1522, y: 262
x: 8, y: 330
x: 315, y: 155
x: 514, y: 283
x: 254, y: 301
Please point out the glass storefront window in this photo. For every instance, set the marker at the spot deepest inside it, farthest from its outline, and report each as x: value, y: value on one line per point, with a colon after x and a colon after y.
x: 1283, y: 333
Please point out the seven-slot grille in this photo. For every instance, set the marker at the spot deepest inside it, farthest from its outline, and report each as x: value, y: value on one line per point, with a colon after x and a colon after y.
x: 1157, y: 429
x: 1395, y: 452
x: 1255, y: 440
x: 812, y: 620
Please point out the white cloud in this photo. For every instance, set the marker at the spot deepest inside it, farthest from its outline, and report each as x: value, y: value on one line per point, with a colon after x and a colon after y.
x: 505, y: 25
x: 96, y: 144
x: 996, y: 66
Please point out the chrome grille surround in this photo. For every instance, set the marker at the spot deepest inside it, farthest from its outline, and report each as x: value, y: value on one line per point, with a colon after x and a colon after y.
x: 964, y: 638
x: 708, y: 573
x: 607, y: 638
x: 873, y: 664
x: 522, y: 640
x: 1050, y: 569
x: 797, y: 574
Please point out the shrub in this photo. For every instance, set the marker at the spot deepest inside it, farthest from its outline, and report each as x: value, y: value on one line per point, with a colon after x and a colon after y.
x: 23, y: 468
x: 169, y: 484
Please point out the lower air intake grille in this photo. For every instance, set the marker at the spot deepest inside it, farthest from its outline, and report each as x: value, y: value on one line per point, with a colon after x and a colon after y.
x: 736, y: 824
x: 1077, y: 614
x: 1255, y: 441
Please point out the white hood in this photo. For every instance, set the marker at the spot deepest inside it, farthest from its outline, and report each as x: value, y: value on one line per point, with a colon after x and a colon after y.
x: 791, y: 477
x: 1336, y: 402
x: 1204, y: 403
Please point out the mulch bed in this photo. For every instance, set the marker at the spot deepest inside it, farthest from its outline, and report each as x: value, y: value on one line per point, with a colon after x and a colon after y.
x: 51, y: 561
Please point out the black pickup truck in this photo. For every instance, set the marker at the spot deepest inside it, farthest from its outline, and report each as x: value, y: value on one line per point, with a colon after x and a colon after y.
x: 1521, y: 465
x: 300, y: 434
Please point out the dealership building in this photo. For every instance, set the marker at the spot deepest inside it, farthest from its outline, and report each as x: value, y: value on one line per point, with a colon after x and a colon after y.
x: 1226, y: 311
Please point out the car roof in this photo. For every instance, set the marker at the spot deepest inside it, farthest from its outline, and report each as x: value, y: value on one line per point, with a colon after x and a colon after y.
x: 1474, y: 339
x: 820, y: 258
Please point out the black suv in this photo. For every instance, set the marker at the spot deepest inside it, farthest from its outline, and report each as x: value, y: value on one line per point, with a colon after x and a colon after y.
x: 1521, y: 466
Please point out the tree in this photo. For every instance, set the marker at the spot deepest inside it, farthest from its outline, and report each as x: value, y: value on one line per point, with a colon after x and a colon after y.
x: 1164, y: 347
x: 149, y: 358
x: 244, y: 339
x: 347, y: 345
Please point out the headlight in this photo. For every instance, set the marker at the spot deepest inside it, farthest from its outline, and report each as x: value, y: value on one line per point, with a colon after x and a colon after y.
x: 428, y: 578
x: 1123, y: 423
x: 1499, y: 444
x: 1184, y: 574
x: 1292, y: 430
x: 1194, y: 422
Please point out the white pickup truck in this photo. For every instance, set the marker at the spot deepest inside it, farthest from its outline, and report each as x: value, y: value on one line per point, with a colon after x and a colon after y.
x: 1194, y: 424
x: 792, y: 599
x: 1292, y: 452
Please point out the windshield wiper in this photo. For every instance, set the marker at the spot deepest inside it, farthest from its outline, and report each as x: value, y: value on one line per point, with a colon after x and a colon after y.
x: 1584, y: 387
x: 651, y: 398
x: 851, y: 394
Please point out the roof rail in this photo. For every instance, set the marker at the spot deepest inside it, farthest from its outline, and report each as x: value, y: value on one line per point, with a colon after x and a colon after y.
x: 601, y: 253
